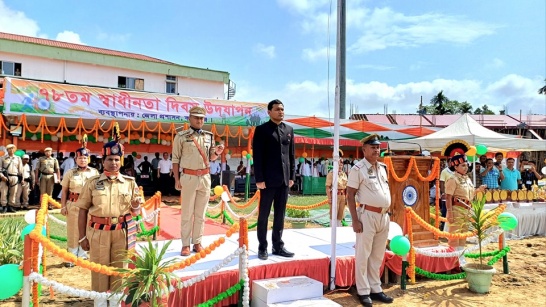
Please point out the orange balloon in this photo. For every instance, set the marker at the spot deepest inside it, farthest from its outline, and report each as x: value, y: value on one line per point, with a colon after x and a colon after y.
x: 31, y: 127
x: 2, y: 153
x: 106, y: 135
x: 244, y: 153
x: 168, y: 138
x: 149, y: 135
x: 138, y: 156
x: 304, y: 155
x: 122, y: 136
x: 250, y: 152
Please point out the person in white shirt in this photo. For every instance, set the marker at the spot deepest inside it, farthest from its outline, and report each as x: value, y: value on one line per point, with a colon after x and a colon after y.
x: 69, y: 163
x: 306, y: 168
x: 26, y: 185
x: 215, y: 170
x: 165, y: 170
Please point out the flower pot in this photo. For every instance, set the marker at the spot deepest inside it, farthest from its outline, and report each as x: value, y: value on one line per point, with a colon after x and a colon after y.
x: 479, y: 277
x: 298, y: 225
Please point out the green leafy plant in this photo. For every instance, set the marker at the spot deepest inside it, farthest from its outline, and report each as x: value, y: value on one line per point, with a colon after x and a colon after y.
x: 297, y: 213
x: 11, y: 247
x: 479, y: 221
x: 149, y: 280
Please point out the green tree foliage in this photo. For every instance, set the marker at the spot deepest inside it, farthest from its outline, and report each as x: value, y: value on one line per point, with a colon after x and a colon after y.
x: 542, y: 90
x: 484, y: 110
x: 438, y: 102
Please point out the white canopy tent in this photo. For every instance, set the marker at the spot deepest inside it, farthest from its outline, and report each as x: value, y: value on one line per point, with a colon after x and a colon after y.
x: 467, y: 129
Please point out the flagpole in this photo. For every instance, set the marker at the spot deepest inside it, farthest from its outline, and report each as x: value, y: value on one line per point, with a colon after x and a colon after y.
x: 339, y: 104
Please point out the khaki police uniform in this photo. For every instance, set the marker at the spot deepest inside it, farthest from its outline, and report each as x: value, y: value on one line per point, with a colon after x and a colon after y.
x: 341, y: 192
x: 74, y: 179
x: 373, y: 194
x: 195, y: 180
x: 12, y: 166
x: 47, y: 167
x: 23, y: 190
x: 461, y: 188
x: 108, y: 201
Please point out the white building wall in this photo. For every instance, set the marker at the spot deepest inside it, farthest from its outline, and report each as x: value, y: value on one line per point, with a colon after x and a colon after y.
x: 94, y: 75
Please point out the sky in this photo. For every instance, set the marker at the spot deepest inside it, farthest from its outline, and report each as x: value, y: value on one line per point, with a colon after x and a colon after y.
x: 483, y: 52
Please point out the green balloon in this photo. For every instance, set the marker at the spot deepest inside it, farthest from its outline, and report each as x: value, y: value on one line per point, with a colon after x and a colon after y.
x: 471, y: 158
x: 28, y: 134
x: 134, y: 153
x: 19, y: 152
x: 11, y: 281
x: 507, y: 221
x: 47, y: 137
x: 91, y: 139
x: 136, y: 142
x: 72, y: 138
x: 28, y: 228
x: 248, y: 156
x: 481, y: 149
x: 382, y: 154
x: 251, y: 162
x: 400, y: 245
x: 302, y: 159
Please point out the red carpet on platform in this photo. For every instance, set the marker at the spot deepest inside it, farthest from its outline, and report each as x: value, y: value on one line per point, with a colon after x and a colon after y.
x: 169, y: 228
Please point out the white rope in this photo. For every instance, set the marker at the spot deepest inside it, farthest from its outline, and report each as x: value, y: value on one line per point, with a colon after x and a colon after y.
x: 246, y: 279
x: 216, y: 268
x: 245, y: 216
x: 61, y: 288
x: 149, y: 217
x: 215, y: 206
x: 489, y: 239
x: 56, y: 220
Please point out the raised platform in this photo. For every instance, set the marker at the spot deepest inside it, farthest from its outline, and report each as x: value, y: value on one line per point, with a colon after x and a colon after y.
x: 312, y: 249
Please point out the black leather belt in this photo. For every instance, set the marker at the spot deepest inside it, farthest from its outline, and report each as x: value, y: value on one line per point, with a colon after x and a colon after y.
x: 13, y: 175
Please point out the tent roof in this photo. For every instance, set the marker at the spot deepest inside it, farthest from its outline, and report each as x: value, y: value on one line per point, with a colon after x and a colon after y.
x: 467, y: 129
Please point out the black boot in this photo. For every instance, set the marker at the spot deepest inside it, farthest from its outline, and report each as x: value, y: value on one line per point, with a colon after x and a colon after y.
x: 3, y: 209
x: 10, y: 209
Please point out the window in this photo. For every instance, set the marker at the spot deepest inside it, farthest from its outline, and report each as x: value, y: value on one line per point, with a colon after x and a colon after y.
x: 170, y: 86
x: 10, y: 68
x: 132, y: 83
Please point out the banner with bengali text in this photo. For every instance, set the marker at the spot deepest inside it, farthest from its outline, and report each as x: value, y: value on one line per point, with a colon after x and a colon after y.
x: 64, y: 100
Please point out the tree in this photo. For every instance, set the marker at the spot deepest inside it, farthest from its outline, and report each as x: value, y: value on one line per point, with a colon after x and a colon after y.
x: 542, y: 90
x: 438, y: 102
x: 465, y: 107
x: 484, y: 110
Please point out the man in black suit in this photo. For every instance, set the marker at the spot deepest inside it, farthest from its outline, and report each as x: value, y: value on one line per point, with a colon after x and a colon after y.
x: 273, y: 146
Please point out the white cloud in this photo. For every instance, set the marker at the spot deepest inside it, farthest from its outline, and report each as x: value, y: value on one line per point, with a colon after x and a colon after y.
x: 311, y: 98
x: 111, y: 37
x: 374, y: 67
x: 313, y: 55
x: 268, y: 51
x: 69, y: 37
x: 17, y: 22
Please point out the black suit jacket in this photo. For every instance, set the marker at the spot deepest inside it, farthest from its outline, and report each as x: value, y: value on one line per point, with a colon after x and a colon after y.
x: 273, y: 151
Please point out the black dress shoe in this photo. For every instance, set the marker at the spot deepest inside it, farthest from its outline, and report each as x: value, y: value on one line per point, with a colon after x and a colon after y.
x: 262, y: 255
x: 282, y: 252
x: 10, y: 209
x: 3, y: 209
x: 365, y: 300
x: 382, y: 297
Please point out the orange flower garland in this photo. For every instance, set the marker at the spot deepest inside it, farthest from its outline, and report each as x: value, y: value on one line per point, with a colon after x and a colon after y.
x: 413, y: 164
x: 322, y: 203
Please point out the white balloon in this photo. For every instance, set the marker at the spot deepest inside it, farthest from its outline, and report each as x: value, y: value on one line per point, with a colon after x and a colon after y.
x: 163, y: 142
x: 54, y: 138
x: 147, y: 141
x: 105, y: 141
x: 34, y: 138
x: 544, y: 170
x: 59, y: 134
x: 78, y: 137
x: 100, y: 138
x: 30, y: 216
x: 225, y: 196
x: 394, y: 230
x: 228, y: 156
x: 426, y: 153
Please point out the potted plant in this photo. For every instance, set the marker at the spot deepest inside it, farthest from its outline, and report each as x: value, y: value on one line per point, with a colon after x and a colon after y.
x: 148, y: 283
x: 478, y: 220
x: 297, y: 213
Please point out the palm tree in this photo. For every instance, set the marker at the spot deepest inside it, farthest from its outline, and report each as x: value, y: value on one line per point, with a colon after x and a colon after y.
x: 465, y: 107
x: 542, y: 90
x: 438, y: 102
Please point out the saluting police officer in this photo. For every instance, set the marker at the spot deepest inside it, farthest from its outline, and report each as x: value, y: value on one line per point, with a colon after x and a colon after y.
x: 111, y: 200
x: 11, y: 172
x: 192, y: 150
x: 341, y: 190
x: 47, y: 167
x: 72, y: 184
x: 368, y: 182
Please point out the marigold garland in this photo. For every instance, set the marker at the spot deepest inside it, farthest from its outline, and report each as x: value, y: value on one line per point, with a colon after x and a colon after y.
x: 309, y: 207
x: 413, y: 165
x: 255, y: 197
